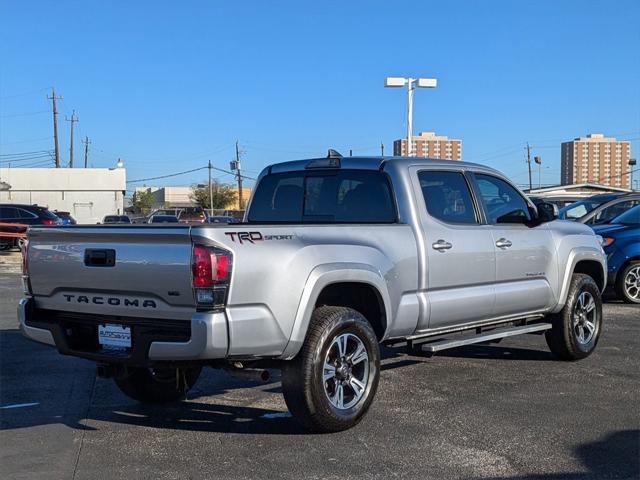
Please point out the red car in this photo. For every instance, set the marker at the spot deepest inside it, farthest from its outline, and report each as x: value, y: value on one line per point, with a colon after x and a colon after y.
x: 192, y: 215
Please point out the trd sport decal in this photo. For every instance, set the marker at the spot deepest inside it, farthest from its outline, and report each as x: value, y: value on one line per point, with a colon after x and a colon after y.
x: 253, y: 237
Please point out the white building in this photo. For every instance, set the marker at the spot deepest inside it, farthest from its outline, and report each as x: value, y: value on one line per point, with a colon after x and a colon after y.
x: 87, y: 193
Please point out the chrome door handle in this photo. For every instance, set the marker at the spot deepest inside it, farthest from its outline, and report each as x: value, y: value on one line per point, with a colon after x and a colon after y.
x: 503, y: 243
x: 441, y: 245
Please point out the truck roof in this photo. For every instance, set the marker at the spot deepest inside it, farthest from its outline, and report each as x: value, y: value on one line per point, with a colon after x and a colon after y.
x: 368, y: 163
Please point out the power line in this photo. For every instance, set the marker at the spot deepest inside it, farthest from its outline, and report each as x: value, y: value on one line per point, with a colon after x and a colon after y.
x: 26, y: 141
x: 24, y: 114
x: 167, y: 176
x: 185, y: 172
x: 19, y: 154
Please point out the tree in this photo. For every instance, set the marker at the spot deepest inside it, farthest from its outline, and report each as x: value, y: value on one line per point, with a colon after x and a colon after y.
x: 142, y: 201
x: 223, y: 195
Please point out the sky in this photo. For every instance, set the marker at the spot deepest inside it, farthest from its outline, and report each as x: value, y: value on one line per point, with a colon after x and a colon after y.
x: 167, y: 86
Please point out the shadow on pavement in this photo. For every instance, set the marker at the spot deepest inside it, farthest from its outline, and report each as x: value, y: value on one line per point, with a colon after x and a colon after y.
x: 615, y: 456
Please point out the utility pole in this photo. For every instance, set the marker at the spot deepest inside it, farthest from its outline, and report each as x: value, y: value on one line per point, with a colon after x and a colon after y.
x: 529, y: 164
x: 240, y: 201
x: 382, y: 149
x: 210, y: 190
x: 73, y: 119
x: 53, y: 98
x: 86, y: 142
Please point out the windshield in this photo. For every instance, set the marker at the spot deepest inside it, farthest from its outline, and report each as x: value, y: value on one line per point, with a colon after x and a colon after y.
x: 630, y: 217
x: 579, y: 209
x: 329, y: 196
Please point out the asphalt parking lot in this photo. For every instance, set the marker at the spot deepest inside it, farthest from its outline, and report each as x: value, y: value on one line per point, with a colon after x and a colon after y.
x: 506, y: 411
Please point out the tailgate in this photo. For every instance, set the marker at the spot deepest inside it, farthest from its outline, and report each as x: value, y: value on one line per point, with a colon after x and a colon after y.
x: 139, y: 271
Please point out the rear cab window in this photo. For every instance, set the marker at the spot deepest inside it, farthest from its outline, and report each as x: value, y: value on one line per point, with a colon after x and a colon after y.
x: 327, y: 196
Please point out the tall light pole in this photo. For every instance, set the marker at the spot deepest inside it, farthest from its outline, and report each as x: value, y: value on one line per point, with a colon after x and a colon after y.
x: 538, y: 160
x: 632, y: 167
x: 411, y: 84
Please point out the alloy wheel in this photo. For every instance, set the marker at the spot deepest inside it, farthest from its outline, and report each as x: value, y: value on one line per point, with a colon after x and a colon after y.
x: 346, y: 371
x: 585, y: 318
x: 632, y: 283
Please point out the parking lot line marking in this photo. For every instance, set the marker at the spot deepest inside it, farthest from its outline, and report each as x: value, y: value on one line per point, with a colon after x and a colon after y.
x: 19, y: 405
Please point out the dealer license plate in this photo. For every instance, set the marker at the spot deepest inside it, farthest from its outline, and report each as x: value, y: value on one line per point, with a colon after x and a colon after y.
x: 114, y: 336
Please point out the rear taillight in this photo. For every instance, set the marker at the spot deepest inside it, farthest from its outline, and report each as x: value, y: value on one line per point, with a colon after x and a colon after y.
x: 211, y: 271
x: 25, y: 266
x: 49, y: 221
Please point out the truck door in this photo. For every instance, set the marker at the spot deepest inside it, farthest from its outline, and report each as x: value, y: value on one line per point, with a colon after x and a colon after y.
x: 524, y: 254
x: 458, y: 280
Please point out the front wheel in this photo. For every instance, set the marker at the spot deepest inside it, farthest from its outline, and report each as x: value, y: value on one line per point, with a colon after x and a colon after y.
x: 576, y: 328
x: 628, y: 283
x: 158, y: 385
x: 330, y: 385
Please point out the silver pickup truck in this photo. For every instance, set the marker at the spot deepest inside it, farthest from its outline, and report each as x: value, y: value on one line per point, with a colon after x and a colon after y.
x: 335, y: 256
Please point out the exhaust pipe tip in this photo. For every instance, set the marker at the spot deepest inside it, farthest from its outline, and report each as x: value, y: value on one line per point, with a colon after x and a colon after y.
x: 253, y: 374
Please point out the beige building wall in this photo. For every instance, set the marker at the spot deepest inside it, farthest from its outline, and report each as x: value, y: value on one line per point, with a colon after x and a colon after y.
x: 595, y: 159
x: 87, y: 193
x: 430, y: 145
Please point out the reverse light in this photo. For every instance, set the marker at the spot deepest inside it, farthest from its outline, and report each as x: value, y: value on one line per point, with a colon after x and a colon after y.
x: 211, y: 270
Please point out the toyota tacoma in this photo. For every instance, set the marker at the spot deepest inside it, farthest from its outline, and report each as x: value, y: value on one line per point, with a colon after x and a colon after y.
x: 335, y: 257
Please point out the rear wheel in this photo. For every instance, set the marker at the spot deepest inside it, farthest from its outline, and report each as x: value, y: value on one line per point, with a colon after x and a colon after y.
x: 628, y: 283
x: 576, y: 328
x: 330, y: 385
x: 158, y: 385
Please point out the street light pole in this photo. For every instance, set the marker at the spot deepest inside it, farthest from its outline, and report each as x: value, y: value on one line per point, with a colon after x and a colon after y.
x: 411, y: 84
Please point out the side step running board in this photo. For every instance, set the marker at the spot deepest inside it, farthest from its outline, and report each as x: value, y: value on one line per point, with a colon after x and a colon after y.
x: 510, y: 332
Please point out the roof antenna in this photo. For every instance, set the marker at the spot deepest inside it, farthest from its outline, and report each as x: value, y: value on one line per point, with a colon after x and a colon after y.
x: 333, y: 153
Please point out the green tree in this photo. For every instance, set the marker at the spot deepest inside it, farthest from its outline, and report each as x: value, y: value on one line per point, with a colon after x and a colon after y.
x: 223, y: 195
x: 142, y: 201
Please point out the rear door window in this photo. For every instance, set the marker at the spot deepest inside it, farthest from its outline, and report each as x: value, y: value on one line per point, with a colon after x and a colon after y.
x: 447, y: 196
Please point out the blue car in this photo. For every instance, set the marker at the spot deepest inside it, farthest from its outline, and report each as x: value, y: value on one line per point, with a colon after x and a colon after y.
x: 621, y: 241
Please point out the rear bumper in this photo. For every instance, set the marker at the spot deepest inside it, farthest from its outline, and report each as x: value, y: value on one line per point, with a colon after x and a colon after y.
x: 204, y: 338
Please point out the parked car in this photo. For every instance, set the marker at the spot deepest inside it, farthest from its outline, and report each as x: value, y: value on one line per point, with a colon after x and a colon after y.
x: 192, y: 215
x: 111, y: 219
x: 163, y: 219
x: 621, y: 240
x: 611, y: 209
x: 560, y: 201
x: 337, y: 256
x: 24, y: 215
x: 66, y: 217
x: 585, y: 210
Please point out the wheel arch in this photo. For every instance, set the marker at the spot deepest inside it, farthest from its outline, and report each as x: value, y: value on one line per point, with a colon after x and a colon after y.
x: 589, y: 261
x: 349, y: 285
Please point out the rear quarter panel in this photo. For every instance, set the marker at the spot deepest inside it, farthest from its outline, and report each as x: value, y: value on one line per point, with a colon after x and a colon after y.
x: 271, y: 271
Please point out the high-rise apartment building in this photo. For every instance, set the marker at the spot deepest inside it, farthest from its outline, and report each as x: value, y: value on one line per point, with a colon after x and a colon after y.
x: 595, y: 159
x: 430, y: 145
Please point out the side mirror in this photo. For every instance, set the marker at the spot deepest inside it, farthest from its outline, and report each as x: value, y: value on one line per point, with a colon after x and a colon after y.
x: 547, y: 212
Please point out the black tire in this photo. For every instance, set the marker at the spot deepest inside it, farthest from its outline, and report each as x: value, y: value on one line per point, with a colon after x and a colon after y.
x: 632, y: 270
x: 564, y: 338
x: 305, y: 390
x: 158, y: 385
